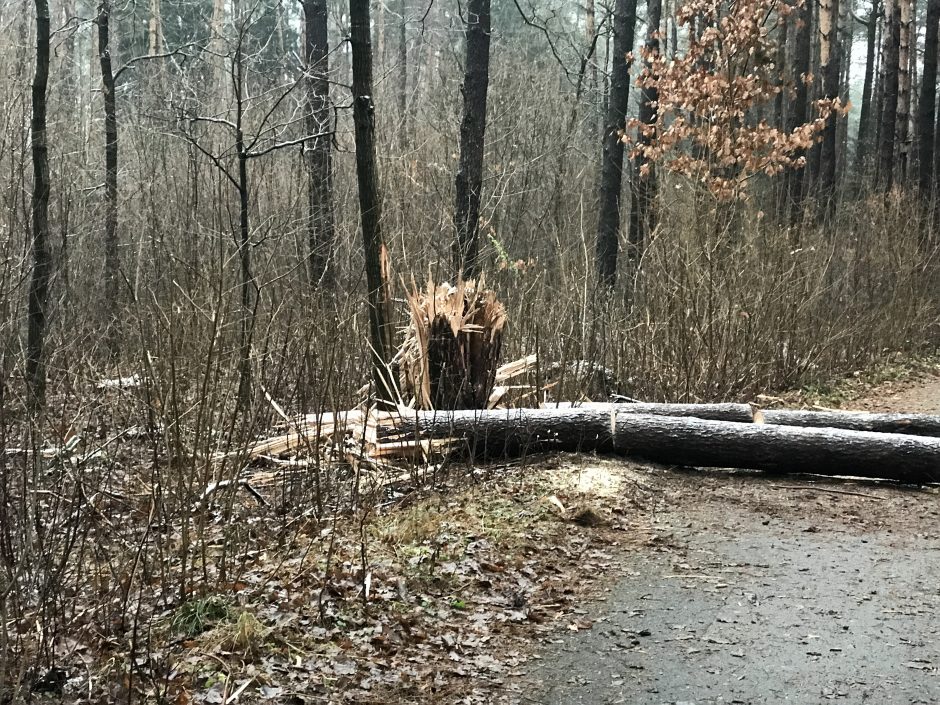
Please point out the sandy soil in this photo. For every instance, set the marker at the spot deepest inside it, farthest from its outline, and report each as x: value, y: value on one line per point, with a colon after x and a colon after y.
x: 757, y: 590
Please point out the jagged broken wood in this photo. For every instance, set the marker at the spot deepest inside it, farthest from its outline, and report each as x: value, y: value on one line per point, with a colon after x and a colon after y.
x: 672, y: 440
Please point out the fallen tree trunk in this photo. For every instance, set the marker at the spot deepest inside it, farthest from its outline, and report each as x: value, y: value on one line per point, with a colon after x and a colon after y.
x: 683, y: 441
x: 743, y: 413
x: 910, y: 424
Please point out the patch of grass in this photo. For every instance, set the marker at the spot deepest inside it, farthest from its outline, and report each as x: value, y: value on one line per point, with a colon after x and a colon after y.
x: 836, y: 392
x: 198, y: 614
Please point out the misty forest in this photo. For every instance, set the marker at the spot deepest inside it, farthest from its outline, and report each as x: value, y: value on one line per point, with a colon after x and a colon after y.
x: 303, y: 302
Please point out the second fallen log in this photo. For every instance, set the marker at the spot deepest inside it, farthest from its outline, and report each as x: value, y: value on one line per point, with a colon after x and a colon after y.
x: 684, y: 441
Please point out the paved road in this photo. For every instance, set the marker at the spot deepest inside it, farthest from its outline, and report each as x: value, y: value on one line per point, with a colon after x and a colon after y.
x: 762, y: 613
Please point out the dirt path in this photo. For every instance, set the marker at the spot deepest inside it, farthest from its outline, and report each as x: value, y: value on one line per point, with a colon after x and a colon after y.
x: 767, y: 591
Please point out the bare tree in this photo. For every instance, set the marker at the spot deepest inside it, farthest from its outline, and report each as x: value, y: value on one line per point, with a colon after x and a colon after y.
x: 38, y: 299
x: 319, y: 158
x: 250, y: 140
x: 370, y: 202
x: 469, y: 180
x: 608, y: 223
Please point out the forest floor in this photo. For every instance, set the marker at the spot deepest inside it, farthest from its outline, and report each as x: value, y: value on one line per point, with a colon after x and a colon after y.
x: 565, y: 579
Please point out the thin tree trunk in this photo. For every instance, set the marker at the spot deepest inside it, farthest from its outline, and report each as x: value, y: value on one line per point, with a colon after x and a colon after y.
x: 928, y: 102
x: 865, y: 136
x: 469, y: 181
x: 642, y: 210
x: 590, y: 32
x: 38, y: 297
x: 111, y: 256
x: 889, y: 115
x: 608, y: 224
x: 403, y: 74
x: 904, y: 86
x: 370, y: 203
x: 799, y: 114
x: 319, y: 156
x: 246, y: 283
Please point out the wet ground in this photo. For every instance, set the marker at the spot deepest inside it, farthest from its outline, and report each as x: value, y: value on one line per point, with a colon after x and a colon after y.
x: 757, y: 590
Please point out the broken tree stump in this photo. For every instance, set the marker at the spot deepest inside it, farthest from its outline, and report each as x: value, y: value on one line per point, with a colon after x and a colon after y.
x: 451, y: 353
x: 681, y: 441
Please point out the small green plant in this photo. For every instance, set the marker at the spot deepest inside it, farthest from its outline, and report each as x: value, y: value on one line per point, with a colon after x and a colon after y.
x: 198, y: 614
x: 458, y: 604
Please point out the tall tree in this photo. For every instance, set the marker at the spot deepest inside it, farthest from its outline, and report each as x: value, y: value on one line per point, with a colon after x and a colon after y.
x: 642, y: 216
x: 38, y: 297
x: 865, y: 122
x: 889, y: 115
x: 319, y: 156
x: 928, y: 101
x: 469, y: 180
x: 608, y: 222
x: 905, y: 67
x: 799, y: 114
x: 370, y: 202
x: 111, y: 262
x: 831, y: 72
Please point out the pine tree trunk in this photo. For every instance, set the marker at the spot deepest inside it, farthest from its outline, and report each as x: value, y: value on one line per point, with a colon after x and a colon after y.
x: 370, y: 203
x: 831, y: 71
x: 799, y: 113
x: 928, y: 102
x: 642, y: 214
x: 904, y: 86
x: 889, y: 115
x: 38, y: 297
x: 469, y: 180
x: 865, y: 136
x: 608, y: 225
x: 111, y: 255
x: 319, y: 158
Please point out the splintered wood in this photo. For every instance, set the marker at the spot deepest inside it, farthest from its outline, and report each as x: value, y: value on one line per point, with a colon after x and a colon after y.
x: 450, y: 355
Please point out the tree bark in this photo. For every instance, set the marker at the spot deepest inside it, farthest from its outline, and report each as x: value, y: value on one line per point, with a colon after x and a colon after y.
x: 910, y: 424
x: 799, y: 114
x: 370, y: 203
x: 469, y: 180
x: 608, y: 222
x: 111, y: 255
x: 830, y: 69
x: 905, y: 58
x: 319, y: 157
x: 865, y: 136
x: 889, y: 115
x: 642, y: 210
x: 685, y: 441
x: 740, y: 413
x: 38, y: 297
x: 928, y: 103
